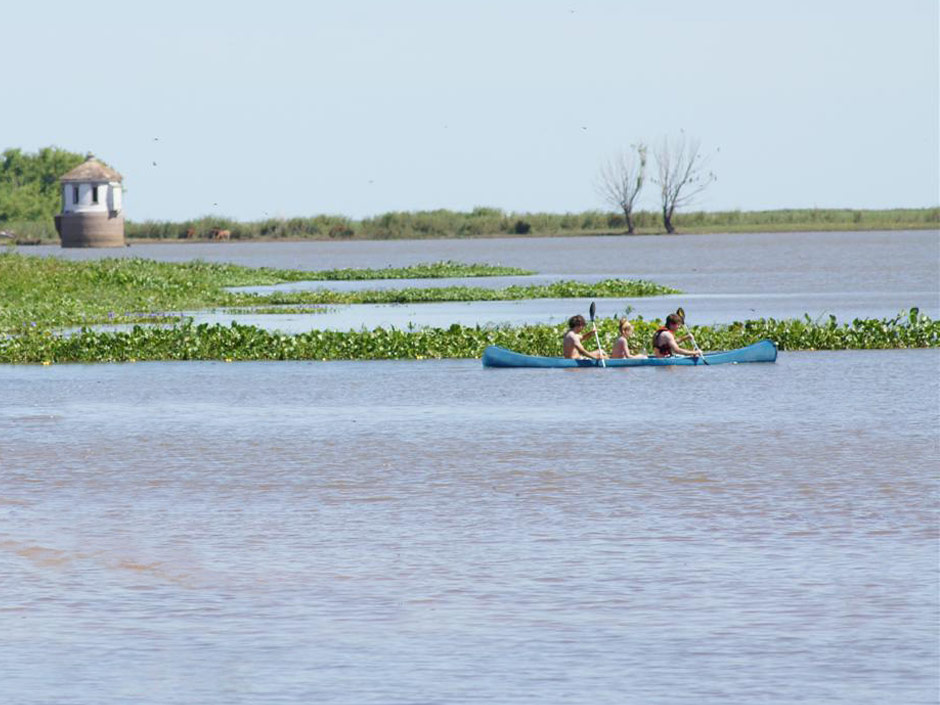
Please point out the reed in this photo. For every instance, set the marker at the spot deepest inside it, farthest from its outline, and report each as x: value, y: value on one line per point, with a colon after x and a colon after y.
x: 492, y: 222
x: 488, y: 222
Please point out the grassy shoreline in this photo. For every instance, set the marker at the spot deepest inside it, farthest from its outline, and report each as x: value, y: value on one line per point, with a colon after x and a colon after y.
x: 491, y: 223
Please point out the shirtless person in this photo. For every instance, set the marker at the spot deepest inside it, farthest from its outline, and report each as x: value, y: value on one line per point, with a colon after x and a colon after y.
x: 664, y: 339
x: 621, y: 347
x: 571, y: 343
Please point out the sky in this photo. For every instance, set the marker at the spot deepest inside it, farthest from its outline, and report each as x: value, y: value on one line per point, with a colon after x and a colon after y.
x: 279, y: 109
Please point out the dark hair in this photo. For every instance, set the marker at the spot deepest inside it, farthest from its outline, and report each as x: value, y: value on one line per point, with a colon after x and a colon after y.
x: 575, y: 321
x: 673, y: 318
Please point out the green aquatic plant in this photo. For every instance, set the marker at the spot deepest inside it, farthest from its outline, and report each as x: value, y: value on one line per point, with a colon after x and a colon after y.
x: 263, y: 310
x: 59, y: 293
x: 428, y: 270
x: 239, y: 342
x: 609, y: 288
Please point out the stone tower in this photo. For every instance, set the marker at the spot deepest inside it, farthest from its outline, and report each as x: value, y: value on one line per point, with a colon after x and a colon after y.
x: 92, y: 209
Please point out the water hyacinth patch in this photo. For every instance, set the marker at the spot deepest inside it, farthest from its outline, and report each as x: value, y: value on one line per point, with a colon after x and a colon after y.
x: 240, y: 342
x: 609, y: 288
x: 59, y: 293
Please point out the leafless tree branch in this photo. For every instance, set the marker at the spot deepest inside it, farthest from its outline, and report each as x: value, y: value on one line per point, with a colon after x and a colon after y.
x: 621, y: 179
x: 682, y: 174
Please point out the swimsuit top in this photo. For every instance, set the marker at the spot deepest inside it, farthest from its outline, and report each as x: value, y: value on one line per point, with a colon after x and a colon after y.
x: 664, y: 350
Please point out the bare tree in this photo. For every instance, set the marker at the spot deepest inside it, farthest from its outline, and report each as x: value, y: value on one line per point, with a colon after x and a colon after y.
x: 620, y: 180
x: 682, y: 175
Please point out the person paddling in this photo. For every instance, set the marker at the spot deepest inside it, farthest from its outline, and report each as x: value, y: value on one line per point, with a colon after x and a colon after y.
x: 571, y: 343
x: 664, y: 339
x: 621, y: 348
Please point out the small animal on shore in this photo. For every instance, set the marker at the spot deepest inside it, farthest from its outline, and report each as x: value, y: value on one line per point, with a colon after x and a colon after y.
x: 218, y: 234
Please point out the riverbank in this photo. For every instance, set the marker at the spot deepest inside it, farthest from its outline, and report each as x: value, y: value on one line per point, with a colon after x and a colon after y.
x: 491, y: 222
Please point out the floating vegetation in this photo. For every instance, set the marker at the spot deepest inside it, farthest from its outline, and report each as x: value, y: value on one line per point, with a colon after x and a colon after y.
x: 431, y: 270
x: 609, y: 288
x: 264, y: 310
x: 55, y: 293
x: 240, y: 342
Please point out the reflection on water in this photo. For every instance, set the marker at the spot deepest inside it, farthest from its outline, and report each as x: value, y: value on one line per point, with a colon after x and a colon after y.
x: 437, y: 532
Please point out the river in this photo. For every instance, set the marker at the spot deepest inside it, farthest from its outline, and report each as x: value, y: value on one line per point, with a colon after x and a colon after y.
x: 434, y: 532
x: 724, y: 278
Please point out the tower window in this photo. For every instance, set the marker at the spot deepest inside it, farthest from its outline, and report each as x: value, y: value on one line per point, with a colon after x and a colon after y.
x: 94, y: 194
x: 75, y: 194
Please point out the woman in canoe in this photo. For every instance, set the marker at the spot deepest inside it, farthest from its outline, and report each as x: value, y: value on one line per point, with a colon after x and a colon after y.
x: 571, y: 343
x: 621, y: 348
x: 664, y: 339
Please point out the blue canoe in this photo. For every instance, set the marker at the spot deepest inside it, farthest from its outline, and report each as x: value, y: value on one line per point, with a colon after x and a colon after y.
x: 764, y: 351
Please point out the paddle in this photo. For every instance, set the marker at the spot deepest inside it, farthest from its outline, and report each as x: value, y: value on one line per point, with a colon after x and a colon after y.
x: 681, y: 314
x: 596, y: 336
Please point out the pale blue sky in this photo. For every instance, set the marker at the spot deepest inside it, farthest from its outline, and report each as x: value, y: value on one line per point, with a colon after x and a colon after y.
x: 361, y: 107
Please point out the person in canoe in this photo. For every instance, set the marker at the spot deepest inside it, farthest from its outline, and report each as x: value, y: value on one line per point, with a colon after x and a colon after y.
x: 665, y: 343
x: 571, y: 343
x: 621, y: 348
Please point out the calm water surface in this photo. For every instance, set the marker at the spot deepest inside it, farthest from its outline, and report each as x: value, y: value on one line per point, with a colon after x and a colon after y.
x: 701, y: 310
x: 897, y: 261
x: 725, y: 277
x: 433, y: 532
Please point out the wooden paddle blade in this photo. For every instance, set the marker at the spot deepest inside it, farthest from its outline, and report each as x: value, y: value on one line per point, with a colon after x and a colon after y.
x: 593, y: 309
x: 681, y: 314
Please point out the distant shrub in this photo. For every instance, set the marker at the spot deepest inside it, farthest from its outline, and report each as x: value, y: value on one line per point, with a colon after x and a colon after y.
x: 28, y: 231
x: 481, y: 221
x: 615, y: 220
x: 341, y: 230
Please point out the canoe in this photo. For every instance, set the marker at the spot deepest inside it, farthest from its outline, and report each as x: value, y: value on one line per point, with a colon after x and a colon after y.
x: 764, y: 351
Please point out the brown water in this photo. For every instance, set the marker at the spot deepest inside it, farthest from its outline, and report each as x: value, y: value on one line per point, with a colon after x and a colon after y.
x: 433, y: 532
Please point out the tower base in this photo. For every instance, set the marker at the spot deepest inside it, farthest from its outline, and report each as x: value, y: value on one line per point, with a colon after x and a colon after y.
x: 90, y: 229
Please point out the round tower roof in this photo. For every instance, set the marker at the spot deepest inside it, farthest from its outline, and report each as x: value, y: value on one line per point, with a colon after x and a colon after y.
x: 91, y: 170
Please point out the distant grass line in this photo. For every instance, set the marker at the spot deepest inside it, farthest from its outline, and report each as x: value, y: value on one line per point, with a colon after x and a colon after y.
x: 489, y: 222
x: 241, y: 342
